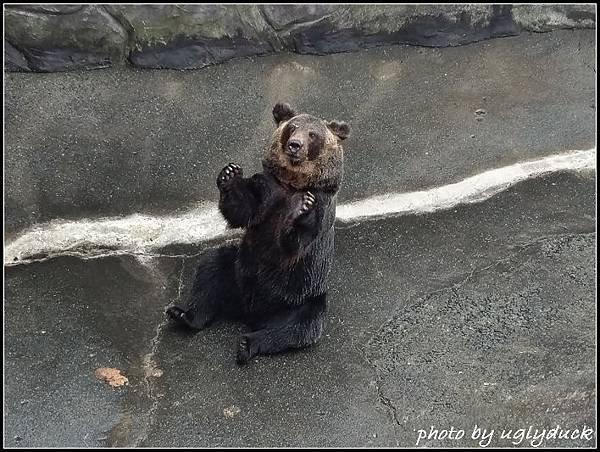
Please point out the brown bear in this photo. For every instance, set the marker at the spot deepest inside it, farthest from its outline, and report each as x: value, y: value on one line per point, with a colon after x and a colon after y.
x: 275, y: 280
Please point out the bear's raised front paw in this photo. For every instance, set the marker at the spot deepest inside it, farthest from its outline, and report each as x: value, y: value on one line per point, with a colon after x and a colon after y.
x: 307, y: 204
x: 228, y: 173
x: 245, y: 350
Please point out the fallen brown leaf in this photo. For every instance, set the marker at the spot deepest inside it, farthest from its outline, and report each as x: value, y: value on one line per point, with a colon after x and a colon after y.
x: 112, y: 376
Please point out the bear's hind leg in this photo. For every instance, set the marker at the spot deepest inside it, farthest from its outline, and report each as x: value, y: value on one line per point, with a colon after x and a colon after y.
x: 299, y: 328
x: 214, y: 288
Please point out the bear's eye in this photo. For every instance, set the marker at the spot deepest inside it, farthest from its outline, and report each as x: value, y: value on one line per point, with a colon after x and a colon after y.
x: 312, y: 135
x: 292, y: 127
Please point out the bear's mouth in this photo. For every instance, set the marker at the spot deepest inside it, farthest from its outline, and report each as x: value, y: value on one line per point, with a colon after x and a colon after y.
x: 295, y: 160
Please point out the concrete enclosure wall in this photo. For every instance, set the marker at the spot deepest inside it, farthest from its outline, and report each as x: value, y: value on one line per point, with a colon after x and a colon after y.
x: 126, y: 140
x: 48, y: 38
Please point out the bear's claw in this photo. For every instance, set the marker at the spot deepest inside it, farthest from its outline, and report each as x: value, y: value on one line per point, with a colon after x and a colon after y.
x: 228, y: 173
x: 244, y: 353
x: 308, y: 202
x: 178, y: 315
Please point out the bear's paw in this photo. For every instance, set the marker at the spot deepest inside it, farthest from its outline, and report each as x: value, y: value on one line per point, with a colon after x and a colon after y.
x: 228, y: 173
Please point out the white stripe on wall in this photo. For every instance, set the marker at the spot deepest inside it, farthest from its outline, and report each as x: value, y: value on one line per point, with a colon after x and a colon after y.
x: 145, y: 234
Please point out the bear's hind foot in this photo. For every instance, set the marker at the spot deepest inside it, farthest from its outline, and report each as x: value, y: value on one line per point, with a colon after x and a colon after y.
x: 247, y: 349
x: 182, y: 317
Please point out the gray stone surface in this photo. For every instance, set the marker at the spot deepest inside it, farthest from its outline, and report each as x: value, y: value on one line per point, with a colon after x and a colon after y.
x: 121, y: 141
x: 65, y: 37
x: 47, y: 9
x: 72, y: 37
x: 508, y: 348
x: 354, y: 27
x: 481, y: 314
x: 282, y: 17
x: 64, y: 319
x: 194, y: 36
x: 542, y: 18
x: 14, y: 60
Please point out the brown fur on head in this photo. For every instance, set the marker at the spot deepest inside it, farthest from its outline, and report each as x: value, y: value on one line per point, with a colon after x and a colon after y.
x: 305, y: 151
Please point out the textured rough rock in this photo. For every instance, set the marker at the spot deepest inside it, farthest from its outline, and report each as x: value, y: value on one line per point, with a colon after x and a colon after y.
x: 13, y: 59
x: 543, y: 18
x: 194, y: 36
x: 47, y: 9
x: 360, y: 26
x: 281, y: 17
x: 65, y: 38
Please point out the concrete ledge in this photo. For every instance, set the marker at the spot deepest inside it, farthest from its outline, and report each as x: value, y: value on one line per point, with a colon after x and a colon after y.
x: 66, y: 37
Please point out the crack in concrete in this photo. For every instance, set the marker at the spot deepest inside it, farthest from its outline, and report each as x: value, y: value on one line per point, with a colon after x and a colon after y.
x: 389, y: 407
x: 382, y: 399
x: 150, y: 369
x: 142, y: 399
x: 520, y: 248
x: 388, y: 403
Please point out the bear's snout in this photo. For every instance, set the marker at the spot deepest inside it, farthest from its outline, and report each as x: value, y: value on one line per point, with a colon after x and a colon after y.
x: 294, y: 148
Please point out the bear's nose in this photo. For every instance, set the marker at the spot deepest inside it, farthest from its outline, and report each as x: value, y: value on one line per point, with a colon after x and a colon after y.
x: 294, y: 146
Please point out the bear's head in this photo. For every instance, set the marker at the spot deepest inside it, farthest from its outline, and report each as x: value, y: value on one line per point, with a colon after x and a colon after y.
x: 306, y: 151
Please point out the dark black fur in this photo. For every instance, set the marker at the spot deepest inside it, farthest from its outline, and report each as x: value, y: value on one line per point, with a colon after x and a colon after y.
x: 275, y: 280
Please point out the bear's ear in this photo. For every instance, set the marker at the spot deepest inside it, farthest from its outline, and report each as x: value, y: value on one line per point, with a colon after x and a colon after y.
x: 340, y: 129
x: 282, y: 112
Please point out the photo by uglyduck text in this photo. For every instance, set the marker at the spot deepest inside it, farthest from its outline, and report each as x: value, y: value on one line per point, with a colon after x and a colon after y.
x: 530, y: 436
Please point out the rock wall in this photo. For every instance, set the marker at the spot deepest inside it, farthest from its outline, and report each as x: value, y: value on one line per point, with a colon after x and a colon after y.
x: 51, y: 38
